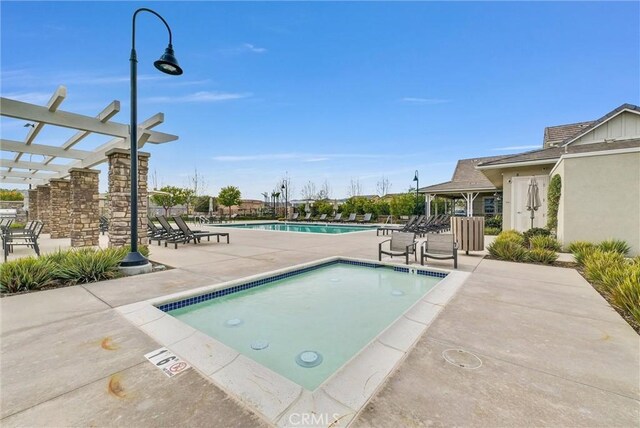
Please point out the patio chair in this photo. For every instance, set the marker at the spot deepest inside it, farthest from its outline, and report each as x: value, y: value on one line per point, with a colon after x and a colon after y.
x: 323, y: 217
x: 337, y: 218
x: 400, y: 244
x: 295, y: 216
x: 104, y: 224
x: 307, y: 217
x: 441, y: 247
x: 351, y: 219
x: 193, y: 235
x: 25, y: 237
x: 169, y: 232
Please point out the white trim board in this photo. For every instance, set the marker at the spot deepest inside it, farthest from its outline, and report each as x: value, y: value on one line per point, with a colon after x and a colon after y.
x: 598, y: 153
x: 625, y: 110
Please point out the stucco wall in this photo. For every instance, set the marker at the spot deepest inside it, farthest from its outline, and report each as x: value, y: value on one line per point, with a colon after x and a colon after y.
x: 601, y: 199
x: 507, y: 175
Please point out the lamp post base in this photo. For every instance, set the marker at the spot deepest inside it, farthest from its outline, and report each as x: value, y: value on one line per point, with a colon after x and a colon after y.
x: 135, y: 270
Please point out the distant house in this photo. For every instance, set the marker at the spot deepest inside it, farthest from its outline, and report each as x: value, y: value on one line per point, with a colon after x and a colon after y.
x: 599, y: 163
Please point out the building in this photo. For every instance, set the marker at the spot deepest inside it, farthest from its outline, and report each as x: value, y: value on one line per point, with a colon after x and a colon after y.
x: 598, y: 162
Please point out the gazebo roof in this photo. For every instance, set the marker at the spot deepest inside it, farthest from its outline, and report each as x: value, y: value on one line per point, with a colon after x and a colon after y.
x: 18, y: 171
x: 466, y: 178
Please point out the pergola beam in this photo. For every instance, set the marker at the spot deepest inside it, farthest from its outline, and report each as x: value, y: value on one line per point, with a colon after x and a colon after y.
x: 39, y: 149
x: 8, y: 163
x: 24, y: 181
x: 19, y: 174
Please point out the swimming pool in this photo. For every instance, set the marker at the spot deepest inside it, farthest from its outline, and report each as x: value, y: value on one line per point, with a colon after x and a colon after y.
x: 318, y: 338
x: 301, y: 227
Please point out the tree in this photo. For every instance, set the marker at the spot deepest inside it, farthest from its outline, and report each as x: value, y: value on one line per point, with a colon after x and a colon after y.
x: 322, y: 207
x: 229, y: 196
x: 197, y: 182
x: 309, y: 191
x: 325, y: 191
x: 170, y: 197
x: 403, y: 204
x: 355, y: 188
x: 383, y: 186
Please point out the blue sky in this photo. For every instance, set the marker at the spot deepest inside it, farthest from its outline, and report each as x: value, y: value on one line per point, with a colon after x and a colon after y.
x: 327, y: 91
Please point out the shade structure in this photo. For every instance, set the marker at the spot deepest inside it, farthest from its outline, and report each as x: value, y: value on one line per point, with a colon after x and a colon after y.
x: 533, y: 198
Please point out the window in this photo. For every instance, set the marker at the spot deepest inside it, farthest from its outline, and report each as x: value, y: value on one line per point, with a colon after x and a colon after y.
x: 492, y: 205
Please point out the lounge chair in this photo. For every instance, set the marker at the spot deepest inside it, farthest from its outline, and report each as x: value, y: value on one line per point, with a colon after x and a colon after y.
x: 351, y: 219
x: 306, y: 217
x: 386, y: 229
x: 193, y: 235
x: 104, y: 224
x: 323, y: 217
x: 337, y: 218
x: 295, y: 216
x: 366, y: 218
x: 400, y: 244
x: 441, y: 247
x: 170, y: 234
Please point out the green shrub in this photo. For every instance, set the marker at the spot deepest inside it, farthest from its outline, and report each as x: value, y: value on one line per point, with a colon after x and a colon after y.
x: 508, y: 250
x: 26, y: 274
x: 626, y: 296
x: 11, y: 195
x: 612, y: 276
x: 534, y: 231
x: 511, y: 236
x: 580, y: 250
x: 495, y: 222
x: 615, y: 245
x: 542, y: 255
x: 89, y: 265
x: 544, y: 242
x: 491, y: 230
x: 553, y: 201
x: 598, y: 262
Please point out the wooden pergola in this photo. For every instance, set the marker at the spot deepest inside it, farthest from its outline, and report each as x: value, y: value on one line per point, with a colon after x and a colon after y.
x: 19, y: 171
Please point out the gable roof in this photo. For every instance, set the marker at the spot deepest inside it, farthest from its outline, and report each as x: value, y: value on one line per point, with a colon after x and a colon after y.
x: 559, y: 133
x: 552, y: 154
x: 613, y: 113
x: 466, y: 177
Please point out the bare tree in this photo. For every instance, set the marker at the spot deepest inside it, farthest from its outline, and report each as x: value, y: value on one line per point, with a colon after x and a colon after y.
x: 309, y: 191
x: 325, y: 191
x: 197, y: 182
x: 355, y: 188
x: 383, y: 186
x: 154, y: 179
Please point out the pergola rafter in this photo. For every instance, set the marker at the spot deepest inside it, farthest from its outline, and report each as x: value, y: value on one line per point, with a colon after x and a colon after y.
x: 40, y: 116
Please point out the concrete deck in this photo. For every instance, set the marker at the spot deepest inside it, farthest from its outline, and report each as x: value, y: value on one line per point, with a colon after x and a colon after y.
x: 553, y: 352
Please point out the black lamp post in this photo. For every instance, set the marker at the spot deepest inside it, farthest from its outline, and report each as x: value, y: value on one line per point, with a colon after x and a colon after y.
x: 415, y: 178
x: 167, y: 64
x: 285, y: 191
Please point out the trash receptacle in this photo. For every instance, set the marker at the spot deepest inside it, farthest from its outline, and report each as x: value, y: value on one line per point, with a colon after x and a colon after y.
x: 469, y: 232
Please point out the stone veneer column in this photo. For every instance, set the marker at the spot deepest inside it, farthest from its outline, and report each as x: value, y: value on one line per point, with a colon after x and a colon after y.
x: 44, y: 206
x: 60, y: 207
x: 33, y: 204
x: 120, y: 197
x: 84, y: 214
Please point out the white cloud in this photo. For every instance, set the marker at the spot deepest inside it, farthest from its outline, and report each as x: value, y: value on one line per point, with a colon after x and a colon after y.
x: 426, y: 101
x: 200, y: 97
x: 511, y: 148
x: 29, y: 97
x: 252, y: 48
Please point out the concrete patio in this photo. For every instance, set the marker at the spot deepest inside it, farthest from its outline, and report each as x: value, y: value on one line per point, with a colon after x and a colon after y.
x: 553, y: 352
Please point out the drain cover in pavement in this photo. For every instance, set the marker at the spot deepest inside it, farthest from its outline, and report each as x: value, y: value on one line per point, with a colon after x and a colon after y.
x: 463, y: 359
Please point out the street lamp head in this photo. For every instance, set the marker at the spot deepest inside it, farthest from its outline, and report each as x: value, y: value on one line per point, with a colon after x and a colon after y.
x: 282, y: 187
x: 415, y: 177
x: 168, y: 63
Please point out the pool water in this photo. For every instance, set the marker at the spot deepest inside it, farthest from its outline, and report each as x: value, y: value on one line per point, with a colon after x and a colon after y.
x: 307, y: 326
x: 309, y: 228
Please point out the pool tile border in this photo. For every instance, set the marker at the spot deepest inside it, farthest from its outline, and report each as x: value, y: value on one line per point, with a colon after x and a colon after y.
x: 342, y: 396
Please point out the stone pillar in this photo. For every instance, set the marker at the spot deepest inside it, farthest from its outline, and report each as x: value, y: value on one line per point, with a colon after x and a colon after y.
x: 60, y: 207
x: 44, y: 206
x: 120, y: 197
x: 85, y: 218
x: 33, y: 204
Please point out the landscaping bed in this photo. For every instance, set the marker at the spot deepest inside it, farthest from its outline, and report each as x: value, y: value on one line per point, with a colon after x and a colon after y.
x: 62, y: 268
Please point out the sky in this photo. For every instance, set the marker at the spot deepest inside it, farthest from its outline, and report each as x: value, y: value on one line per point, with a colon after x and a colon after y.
x: 326, y: 91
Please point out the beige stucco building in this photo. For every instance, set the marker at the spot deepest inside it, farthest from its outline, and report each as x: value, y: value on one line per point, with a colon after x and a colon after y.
x: 599, y: 165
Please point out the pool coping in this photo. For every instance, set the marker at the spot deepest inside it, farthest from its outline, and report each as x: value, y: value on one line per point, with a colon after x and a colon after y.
x: 369, y: 228
x: 278, y: 400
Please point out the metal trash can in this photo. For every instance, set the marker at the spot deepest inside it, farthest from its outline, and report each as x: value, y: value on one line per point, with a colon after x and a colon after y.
x: 469, y: 232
